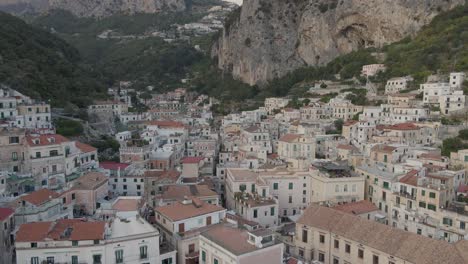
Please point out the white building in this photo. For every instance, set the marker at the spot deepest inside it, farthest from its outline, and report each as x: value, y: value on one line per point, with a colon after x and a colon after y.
x: 130, y: 240
x: 396, y: 85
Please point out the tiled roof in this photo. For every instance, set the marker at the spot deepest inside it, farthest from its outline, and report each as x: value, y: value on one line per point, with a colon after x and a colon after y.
x: 347, y: 147
x: 178, y: 192
x: 188, y: 160
x: 85, y: 148
x: 403, y: 126
x: 79, y: 230
x: 167, y: 124
x: 357, y: 208
x: 39, y: 197
x: 90, y: 181
x: 350, y: 122
x: 431, y: 156
x: 180, y: 211
x: 289, y: 137
x: 45, y: 140
x: 411, y: 178
x: 383, y: 148
x: 405, y: 245
x: 110, y: 165
x: 125, y: 205
x: 170, y: 176
x: 252, y: 129
x: 5, y: 213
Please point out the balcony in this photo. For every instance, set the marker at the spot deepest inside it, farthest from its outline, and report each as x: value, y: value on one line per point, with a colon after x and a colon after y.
x: 192, y: 258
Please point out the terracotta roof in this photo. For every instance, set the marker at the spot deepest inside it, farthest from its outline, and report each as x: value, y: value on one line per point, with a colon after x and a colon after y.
x: 232, y: 239
x: 5, y: 213
x: 357, y: 208
x: 45, y: 140
x: 125, y: 205
x: 350, y: 122
x: 292, y: 261
x: 191, y: 160
x: 383, y: 148
x: 79, y: 229
x: 90, y: 181
x: 109, y: 165
x: 411, y: 178
x: 431, y: 156
x: 289, y: 137
x: 167, y: 124
x: 404, y: 126
x: 39, y: 197
x: 168, y: 176
x: 393, y: 241
x: 347, y: 147
x: 179, y: 211
x: 178, y: 192
x: 85, y: 148
x: 252, y: 129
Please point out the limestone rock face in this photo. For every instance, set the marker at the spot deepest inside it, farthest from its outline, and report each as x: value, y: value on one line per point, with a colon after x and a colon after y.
x: 95, y: 8
x: 268, y: 38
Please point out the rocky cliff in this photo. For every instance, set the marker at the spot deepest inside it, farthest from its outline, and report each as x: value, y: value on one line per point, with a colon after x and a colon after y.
x: 96, y: 8
x: 265, y: 39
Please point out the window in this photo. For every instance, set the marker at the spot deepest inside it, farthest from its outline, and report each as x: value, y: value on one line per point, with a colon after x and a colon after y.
x: 432, y: 195
x: 167, y: 261
x: 215, y: 261
x: 337, y: 244
x: 336, y: 260
x: 321, y: 257
x: 422, y: 204
x: 291, y: 186
x: 74, y: 259
x: 14, y: 140
x: 75, y: 243
x: 203, y: 257
x: 53, y: 153
x: 272, y: 211
x: 431, y: 207
x: 35, y: 260
x: 14, y: 156
x: 375, y: 259
x: 97, y: 259
x: 38, y: 154
x: 118, y: 256
x: 348, y: 248
x: 360, y: 253
x: 34, y: 245
x: 423, y: 192
x: 304, y: 192
x: 290, y: 199
x: 242, y: 187
x: 252, y: 189
x: 322, y: 239
x: 50, y: 260
x: 304, y: 235
x: 143, y: 252
x: 73, y: 196
x: 419, y: 231
x: 96, y: 242
x: 255, y: 213
x: 462, y: 225
x: 447, y: 221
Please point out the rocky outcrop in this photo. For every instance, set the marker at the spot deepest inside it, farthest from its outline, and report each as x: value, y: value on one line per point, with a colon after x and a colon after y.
x: 95, y: 8
x: 268, y: 38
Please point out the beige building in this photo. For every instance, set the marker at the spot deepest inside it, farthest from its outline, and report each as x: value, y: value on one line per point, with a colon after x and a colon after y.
x: 334, y: 183
x: 224, y: 244
x: 296, y: 146
x: 331, y: 236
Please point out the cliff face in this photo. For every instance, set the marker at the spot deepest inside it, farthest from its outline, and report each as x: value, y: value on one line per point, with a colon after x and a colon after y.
x: 268, y: 38
x: 96, y: 8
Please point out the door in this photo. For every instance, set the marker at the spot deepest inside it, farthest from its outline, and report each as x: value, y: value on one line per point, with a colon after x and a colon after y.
x: 208, y: 220
x: 181, y: 228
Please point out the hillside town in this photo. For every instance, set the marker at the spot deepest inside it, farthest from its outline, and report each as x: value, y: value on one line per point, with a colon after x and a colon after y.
x: 296, y: 181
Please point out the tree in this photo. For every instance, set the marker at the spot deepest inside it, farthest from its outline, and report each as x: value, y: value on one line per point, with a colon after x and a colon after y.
x: 339, y: 124
x: 463, y: 134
